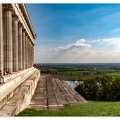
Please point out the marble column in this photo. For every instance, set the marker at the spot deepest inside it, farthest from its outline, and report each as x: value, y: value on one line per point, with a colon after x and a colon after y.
x: 26, y: 51
x: 15, y: 43
x: 20, y: 48
x: 29, y: 59
x: 23, y: 49
x: 32, y: 55
x: 7, y: 36
x: 29, y: 52
x: 1, y: 39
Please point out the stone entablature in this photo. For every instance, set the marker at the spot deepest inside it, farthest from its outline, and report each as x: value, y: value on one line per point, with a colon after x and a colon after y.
x: 22, y: 14
x: 16, y: 38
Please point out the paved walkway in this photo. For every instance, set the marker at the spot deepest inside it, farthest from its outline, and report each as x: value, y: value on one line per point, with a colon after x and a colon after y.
x: 52, y: 93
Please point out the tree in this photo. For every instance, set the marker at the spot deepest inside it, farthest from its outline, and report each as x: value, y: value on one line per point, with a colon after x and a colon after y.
x: 104, y: 88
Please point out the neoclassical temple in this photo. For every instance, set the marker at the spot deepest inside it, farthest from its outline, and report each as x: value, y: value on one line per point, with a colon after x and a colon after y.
x: 16, y: 38
x: 26, y: 87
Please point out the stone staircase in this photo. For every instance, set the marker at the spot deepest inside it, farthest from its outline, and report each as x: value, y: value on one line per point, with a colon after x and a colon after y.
x: 16, y: 93
x: 52, y: 94
x: 27, y: 89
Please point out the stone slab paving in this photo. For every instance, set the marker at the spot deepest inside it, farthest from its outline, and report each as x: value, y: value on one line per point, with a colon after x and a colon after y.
x: 52, y: 94
x: 39, y: 97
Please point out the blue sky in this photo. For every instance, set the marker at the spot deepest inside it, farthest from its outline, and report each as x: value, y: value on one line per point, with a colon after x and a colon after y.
x: 76, y: 33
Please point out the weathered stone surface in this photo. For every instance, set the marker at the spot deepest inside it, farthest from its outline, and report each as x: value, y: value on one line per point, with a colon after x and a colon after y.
x: 52, y: 93
x: 20, y: 98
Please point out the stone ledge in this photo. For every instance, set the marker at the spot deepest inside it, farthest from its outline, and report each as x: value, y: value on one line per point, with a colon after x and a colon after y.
x: 22, y: 98
x: 13, y: 78
x: 12, y: 86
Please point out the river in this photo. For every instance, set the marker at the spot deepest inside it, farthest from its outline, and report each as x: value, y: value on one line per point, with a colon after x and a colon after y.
x: 72, y: 83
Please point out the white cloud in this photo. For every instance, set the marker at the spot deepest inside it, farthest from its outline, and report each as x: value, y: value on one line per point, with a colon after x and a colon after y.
x: 93, y: 41
x: 115, y: 42
x: 82, y: 56
x: 79, y: 44
x: 73, y: 52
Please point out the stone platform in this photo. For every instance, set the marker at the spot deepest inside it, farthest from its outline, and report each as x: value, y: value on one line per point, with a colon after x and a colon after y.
x: 28, y: 89
x: 52, y: 93
x: 18, y: 91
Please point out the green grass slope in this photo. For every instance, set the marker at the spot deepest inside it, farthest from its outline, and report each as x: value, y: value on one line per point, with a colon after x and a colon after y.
x: 84, y: 109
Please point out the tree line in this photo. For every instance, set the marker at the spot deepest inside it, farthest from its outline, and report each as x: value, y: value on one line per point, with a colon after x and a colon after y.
x: 100, y: 88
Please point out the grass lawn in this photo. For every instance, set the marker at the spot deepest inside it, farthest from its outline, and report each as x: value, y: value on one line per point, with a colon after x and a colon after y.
x: 84, y: 109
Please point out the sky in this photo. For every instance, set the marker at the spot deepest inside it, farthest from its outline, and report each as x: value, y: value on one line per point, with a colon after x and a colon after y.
x: 76, y: 33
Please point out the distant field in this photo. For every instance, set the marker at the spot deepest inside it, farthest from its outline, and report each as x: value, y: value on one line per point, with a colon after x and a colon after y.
x: 74, y: 73
x: 63, y: 77
x: 79, y: 71
x: 84, y: 109
x: 115, y: 74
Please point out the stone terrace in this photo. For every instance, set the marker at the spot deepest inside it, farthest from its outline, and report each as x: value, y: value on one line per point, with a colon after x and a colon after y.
x: 17, y: 92
x: 31, y: 90
x: 52, y: 93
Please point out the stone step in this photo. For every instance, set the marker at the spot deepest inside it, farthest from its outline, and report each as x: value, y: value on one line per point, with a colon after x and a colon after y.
x: 52, y: 101
x: 52, y: 93
x: 66, y: 96
x: 38, y: 100
x: 77, y: 97
x: 21, y: 99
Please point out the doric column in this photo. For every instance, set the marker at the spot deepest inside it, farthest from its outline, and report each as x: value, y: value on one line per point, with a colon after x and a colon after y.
x: 32, y: 51
x: 32, y: 55
x: 1, y: 39
x: 23, y: 49
x: 29, y: 52
x: 7, y: 36
x: 20, y: 46
x: 15, y: 43
x: 26, y: 51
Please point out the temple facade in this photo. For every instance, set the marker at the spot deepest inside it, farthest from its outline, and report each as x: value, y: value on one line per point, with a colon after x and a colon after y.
x: 16, y: 38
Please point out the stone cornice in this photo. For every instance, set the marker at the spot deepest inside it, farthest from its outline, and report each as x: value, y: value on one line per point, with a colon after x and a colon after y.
x: 24, y: 19
x: 26, y: 15
x: 7, y: 7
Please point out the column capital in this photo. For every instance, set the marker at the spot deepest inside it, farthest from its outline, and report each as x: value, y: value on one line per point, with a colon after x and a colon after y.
x: 20, y: 24
x: 7, y: 7
x: 15, y: 17
x: 26, y: 34
x: 24, y: 30
x: 29, y: 38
